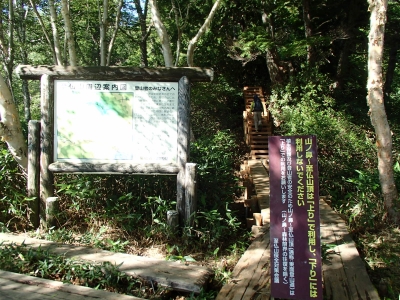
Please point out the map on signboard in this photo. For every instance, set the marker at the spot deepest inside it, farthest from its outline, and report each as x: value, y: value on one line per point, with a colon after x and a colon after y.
x: 87, y: 129
x: 111, y: 122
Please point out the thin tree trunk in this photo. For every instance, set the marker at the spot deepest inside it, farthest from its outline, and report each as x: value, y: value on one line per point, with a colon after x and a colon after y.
x: 103, y: 32
x: 68, y: 32
x: 162, y: 34
x: 10, y: 61
x: 274, y: 65
x: 390, y: 69
x: 377, y: 108
x: 308, y: 33
x: 22, y: 10
x: 144, y: 32
x: 44, y: 31
x: 114, y: 34
x: 202, y: 30
x: 179, y: 32
x: 27, y: 100
x: 342, y: 65
x: 348, y: 28
x: 7, y: 45
x: 56, y: 39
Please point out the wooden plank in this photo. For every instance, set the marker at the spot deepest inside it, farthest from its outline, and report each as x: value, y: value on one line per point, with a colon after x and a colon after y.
x: 116, y: 73
x: 182, y: 277
x: 113, y: 168
x: 356, y: 284
x: 334, y: 277
x: 17, y: 286
x: 251, y: 278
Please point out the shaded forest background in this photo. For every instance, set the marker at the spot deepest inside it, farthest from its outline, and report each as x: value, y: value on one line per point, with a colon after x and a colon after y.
x: 311, y: 61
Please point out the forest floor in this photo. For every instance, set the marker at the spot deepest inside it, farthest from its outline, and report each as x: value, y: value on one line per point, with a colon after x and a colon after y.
x: 381, y: 252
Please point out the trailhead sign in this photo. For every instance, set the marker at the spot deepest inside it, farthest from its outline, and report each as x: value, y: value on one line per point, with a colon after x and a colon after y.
x: 115, y: 121
x: 295, y: 224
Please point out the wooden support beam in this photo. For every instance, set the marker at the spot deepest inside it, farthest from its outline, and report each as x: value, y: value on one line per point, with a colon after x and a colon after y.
x: 52, y: 211
x: 34, y: 171
x: 46, y: 143
x: 113, y: 168
x: 190, y: 193
x: 183, y: 144
x: 115, y: 73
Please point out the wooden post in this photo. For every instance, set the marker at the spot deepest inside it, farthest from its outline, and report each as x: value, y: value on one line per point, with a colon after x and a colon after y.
x: 190, y: 193
x: 33, y: 171
x: 46, y: 143
x: 183, y: 144
x: 173, y: 220
x: 52, y: 210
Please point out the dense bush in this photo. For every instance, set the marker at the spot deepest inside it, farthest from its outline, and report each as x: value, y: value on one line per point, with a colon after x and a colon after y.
x: 216, y: 157
x: 132, y: 204
x: 306, y: 106
x: 13, y: 195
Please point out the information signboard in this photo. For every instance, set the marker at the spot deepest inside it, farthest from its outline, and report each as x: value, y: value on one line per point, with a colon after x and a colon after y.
x: 115, y: 121
x: 295, y: 231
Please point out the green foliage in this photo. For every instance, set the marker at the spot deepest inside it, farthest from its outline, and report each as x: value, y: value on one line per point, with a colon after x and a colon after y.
x: 218, y: 104
x: 305, y: 106
x: 13, y: 197
x: 216, y: 157
x: 125, y: 202
x: 363, y: 204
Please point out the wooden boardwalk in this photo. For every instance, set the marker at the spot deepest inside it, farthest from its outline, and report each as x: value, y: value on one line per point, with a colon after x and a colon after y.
x: 175, y: 275
x: 15, y: 286
x: 344, y: 272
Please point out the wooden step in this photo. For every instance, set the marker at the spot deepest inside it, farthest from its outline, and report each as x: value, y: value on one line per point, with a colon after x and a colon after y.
x: 259, y: 153
x: 263, y: 143
x: 260, y: 134
x: 259, y: 147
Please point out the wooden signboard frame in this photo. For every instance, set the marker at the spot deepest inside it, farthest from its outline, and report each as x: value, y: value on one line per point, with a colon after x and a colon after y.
x: 184, y: 171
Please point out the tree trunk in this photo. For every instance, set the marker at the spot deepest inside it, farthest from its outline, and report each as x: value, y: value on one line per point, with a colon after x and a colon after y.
x: 202, y: 30
x: 7, y: 45
x: 27, y: 100
x: 21, y: 34
x: 179, y: 32
x: 10, y: 126
x: 162, y: 34
x: 114, y: 34
x: 275, y: 67
x: 56, y: 39
x: 10, y: 61
x: 377, y: 108
x: 44, y: 31
x: 144, y: 32
x: 68, y: 32
x: 345, y: 45
x: 308, y: 33
x: 390, y: 69
x: 342, y: 65
x: 103, y: 31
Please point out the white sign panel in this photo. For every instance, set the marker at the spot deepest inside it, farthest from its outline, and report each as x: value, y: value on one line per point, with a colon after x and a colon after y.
x: 121, y: 121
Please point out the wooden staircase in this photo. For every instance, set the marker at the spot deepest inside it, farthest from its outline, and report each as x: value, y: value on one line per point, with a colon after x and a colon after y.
x: 257, y: 141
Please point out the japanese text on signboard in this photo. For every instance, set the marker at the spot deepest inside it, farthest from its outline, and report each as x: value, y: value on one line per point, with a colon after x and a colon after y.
x: 295, y: 243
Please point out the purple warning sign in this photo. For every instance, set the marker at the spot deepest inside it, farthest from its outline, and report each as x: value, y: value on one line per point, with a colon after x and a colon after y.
x: 295, y: 231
